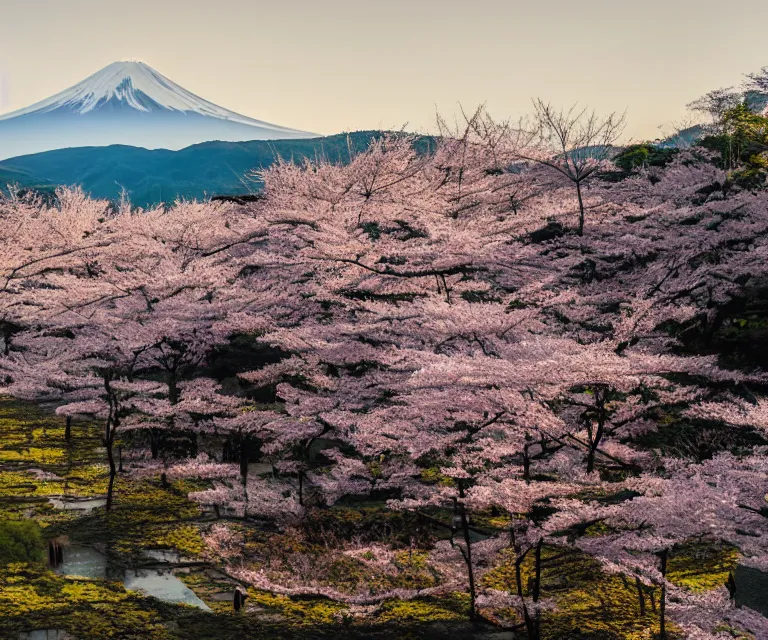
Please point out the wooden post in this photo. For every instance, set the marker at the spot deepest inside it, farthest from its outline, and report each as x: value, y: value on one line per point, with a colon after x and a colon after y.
x: 239, y: 599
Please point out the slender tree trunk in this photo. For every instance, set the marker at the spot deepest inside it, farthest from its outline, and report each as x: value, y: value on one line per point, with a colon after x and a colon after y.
x: 663, y: 602
x: 594, y: 443
x: 7, y: 337
x: 153, y: 443
x: 301, y: 487
x: 529, y: 624
x: 447, y: 290
x: 597, y: 437
x: 537, y: 590
x: 532, y: 623
x: 173, y: 388
x: 68, y: 429
x: 468, y: 559
x: 640, y: 596
x: 467, y: 554
x: 580, y: 230
x: 244, y: 458
x: 108, y: 442
x: 526, y: 464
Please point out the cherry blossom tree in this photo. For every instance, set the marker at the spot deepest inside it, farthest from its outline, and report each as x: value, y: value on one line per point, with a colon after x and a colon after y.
x: 440, y: 340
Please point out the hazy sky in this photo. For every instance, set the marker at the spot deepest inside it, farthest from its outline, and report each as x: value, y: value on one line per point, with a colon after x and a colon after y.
x: 338, y: 65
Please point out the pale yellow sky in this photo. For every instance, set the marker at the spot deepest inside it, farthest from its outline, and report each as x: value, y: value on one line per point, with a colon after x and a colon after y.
x: 337, y: 65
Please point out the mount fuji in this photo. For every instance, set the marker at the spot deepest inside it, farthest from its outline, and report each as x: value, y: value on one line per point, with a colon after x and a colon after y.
x: 128, y: 103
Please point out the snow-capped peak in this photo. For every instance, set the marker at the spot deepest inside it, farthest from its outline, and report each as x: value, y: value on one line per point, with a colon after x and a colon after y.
x: 136, y: 85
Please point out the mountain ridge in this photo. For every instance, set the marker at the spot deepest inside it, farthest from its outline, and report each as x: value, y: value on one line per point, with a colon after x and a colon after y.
x: 151, y: 176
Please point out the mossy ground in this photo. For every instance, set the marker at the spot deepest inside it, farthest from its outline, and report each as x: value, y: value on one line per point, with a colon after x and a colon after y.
x: 146, y: 515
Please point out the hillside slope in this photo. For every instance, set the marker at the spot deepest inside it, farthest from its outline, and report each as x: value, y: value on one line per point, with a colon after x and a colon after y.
x: 160, y: 175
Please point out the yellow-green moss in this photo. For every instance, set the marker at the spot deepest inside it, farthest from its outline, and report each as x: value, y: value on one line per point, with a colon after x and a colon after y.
x: 20, y: 483
x: 31, y: 598
x: 453, y: 607
x: 33, y: 455
x: 88, y: 480
x: 701, y: 566
x: 183, y: 538
x: 300, y: 611
x: 433, y: 475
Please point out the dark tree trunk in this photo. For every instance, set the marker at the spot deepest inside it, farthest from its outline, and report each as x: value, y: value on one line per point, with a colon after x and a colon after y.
x: 532, y: 623
x: 110, y: 428
x: 468, y: 559
x: 112, y: 472
x: 537, y: 590
x: 173, y: 388
x: 529, y: 623
x: 68, y: 429
x: 596, y: 436
x: 7, y: 335
x: 591, y: 460
x: 460, y: 510
x: 153, y: 443
x: 526, y: 464
x: 193, y: 445
x: 663, y: 601
x: 244, y: 457
x: 301, y: 487
x: 640, y: 596
x: 580, y: 230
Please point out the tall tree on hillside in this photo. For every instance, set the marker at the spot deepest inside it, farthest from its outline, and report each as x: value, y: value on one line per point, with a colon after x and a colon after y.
x: 576, y: 143
x: 716, y: 104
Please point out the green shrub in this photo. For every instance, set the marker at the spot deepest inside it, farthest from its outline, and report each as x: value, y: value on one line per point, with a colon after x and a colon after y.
x: 639, y: 155
x: 20, y: 541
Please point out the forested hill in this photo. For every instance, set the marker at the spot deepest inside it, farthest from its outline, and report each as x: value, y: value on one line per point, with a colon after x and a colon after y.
x: 13, y: 175
x: 152, y: 176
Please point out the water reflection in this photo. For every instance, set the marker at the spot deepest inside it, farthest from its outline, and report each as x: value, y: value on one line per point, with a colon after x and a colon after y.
x: 78, y: 505
x: 83, y: 562
x: 86, y: 562
x: 163, y: 586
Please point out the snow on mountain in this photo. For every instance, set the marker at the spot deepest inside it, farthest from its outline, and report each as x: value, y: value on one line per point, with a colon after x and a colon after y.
x: 128, y: 103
